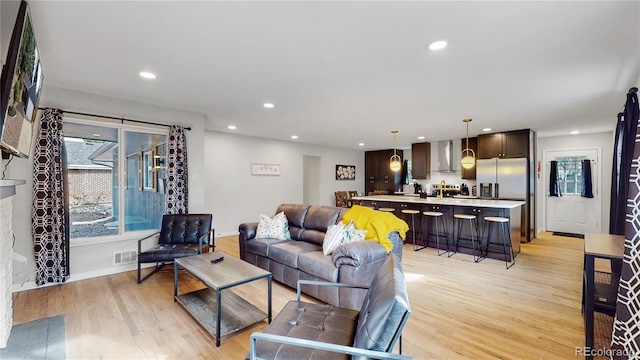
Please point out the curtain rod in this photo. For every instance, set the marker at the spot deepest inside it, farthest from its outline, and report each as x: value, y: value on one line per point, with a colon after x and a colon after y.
x: 114, y: 118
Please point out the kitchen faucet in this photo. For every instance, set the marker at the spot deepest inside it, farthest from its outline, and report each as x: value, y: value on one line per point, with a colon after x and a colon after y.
x: 442, y: 185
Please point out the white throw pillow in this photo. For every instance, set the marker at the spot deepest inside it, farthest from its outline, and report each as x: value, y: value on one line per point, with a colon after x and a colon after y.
x: 273, y: 228
x: 351, y: 233
x: 332, y: 238
x: 285, y: 224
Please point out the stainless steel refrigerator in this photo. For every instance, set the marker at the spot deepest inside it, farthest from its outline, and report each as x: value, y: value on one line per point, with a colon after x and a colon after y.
x: 512, y: 177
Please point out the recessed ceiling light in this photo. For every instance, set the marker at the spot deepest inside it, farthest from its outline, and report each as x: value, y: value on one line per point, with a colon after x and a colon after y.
x: 438, y: 45
x: 97, y: 135
x: 268, y: 105
x: 231, y: 127
x: 361, y: 144
x: 486, y: 129
x: 574, y: 132
x: 147, y: 75
x: 420, y: 137
x: 294, y: 136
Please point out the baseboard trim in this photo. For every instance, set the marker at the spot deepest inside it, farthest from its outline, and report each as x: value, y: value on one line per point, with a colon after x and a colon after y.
x: 558, y: 233
x: 30, y: 285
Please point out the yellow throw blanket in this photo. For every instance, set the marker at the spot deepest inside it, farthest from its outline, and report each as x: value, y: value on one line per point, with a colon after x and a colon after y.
x: 379, y: 224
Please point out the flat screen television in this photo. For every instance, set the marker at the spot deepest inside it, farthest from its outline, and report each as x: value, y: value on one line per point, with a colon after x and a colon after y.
x: 21, y: 84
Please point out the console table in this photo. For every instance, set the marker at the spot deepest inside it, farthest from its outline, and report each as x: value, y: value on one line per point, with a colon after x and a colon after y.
x: 602, y: 246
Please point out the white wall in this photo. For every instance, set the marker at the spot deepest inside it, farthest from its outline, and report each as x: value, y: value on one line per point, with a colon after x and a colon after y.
x: 89, y: 260
x: 603, y: 140
x: 235, y: 196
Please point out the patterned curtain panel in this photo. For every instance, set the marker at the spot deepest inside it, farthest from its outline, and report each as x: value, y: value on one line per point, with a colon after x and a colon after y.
x: 554, y: 190
x: 627, y: 124
x: 49, y: 216
x: 176, y: 197
x: 625, y: 341
x: 616, y: 208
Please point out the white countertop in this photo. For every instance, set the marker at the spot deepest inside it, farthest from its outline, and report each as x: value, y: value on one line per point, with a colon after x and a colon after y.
x: 406, y: 194
x: 502, y: 204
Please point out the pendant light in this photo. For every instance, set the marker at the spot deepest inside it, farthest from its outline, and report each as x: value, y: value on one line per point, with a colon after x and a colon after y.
x: 395, y: 162
x: 468, y: 160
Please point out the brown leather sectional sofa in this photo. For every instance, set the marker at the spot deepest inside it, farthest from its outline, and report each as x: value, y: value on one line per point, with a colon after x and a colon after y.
x: 301, y: 258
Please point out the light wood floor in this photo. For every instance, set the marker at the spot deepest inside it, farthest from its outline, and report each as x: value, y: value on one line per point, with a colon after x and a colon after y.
x: 460, y: 309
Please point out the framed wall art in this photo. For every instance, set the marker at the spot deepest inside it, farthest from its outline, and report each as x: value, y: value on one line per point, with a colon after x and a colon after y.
x: 265, y: 169
x: 345, y: 172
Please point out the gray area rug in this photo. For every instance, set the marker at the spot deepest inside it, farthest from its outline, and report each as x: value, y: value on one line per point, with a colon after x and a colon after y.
x: 39, y: 339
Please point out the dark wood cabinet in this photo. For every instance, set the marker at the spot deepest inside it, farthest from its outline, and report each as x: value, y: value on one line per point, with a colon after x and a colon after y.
x: 516, y: 144
x: 386, y: 175
x: 378, y: 174
x: 512, y: 144
x: 375, y: 204
x: 473, y: 145
x: 490, y: 145
x: 371, y: 164
x: 421, y: 160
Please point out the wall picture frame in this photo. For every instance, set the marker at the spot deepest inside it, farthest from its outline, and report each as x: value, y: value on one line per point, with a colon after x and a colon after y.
x: 265, y: 169
x: 345, y: 172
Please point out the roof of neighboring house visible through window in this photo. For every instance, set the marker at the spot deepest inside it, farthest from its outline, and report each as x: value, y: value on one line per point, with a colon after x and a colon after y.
x: 79, y: 154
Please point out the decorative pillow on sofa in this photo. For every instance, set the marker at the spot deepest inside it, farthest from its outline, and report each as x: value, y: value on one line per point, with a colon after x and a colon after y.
x: 333, y: 238
x: 285, y: 224
x: 339, y: 234
x: 273, y: 228
x: 351, y: 233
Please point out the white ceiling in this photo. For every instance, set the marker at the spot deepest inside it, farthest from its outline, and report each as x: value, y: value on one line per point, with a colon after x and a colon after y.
x: 341, y: 73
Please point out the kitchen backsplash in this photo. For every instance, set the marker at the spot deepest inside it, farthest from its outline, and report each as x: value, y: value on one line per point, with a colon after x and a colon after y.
x: 436, y: 177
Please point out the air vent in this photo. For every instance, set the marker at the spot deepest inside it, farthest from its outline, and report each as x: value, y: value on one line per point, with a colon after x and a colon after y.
x: 125, y: 257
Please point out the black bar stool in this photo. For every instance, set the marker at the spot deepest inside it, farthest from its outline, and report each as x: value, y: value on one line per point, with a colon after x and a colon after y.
x: 458, y: 221
x: 435, y: 216
x: 413, y: 223
x: 503, y: 234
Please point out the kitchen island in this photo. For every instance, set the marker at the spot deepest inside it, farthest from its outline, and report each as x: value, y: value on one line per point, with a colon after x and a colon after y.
x: 451, y: 205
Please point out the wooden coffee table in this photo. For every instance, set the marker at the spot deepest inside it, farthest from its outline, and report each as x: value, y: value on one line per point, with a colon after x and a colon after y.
x: 221, y: 315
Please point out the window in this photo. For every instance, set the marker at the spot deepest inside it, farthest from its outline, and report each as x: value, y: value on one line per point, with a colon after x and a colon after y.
x: 409, y: 179
x: 570, y: 174
x: 148, y: 172
x: 97, y: 155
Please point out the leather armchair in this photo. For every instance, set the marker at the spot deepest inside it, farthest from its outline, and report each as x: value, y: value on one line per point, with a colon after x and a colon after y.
x: 304, y: 330
x: 180, y: 235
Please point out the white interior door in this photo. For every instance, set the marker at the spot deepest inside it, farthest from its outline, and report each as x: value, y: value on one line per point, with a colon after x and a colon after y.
x: 311, y: 176
x: 571, y: 213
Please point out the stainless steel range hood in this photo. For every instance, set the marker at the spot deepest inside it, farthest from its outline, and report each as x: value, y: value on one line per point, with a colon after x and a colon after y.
x: 445, y: 161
